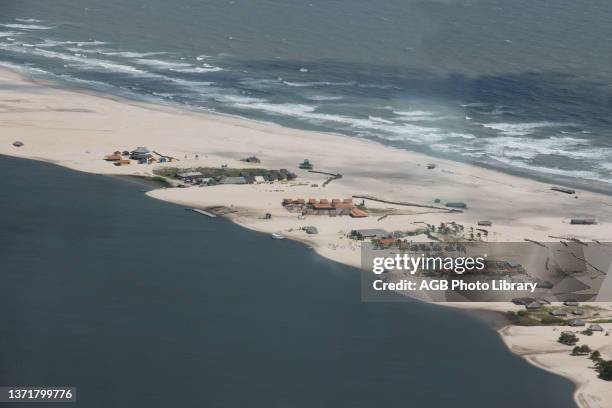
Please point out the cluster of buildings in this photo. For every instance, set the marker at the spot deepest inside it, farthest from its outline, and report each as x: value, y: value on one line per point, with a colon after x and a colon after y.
x: 141, y: 155
x: 224, y: 176
x: 324, y: 206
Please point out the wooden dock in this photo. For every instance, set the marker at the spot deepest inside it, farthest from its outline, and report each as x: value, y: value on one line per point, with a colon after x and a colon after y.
x: 206, y: 213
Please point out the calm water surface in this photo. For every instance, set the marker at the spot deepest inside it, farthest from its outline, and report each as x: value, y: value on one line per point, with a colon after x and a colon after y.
x: 140, y: 303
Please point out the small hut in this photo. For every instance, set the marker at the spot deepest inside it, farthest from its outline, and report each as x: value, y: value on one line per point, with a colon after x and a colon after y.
x: 558, y: 313
x: 305, y: 165
x: 251, y: 159
x: 140, y: 152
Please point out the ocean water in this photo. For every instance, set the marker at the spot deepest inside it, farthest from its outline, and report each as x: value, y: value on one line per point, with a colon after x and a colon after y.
x: 139, y: 303
x: 522, y: 86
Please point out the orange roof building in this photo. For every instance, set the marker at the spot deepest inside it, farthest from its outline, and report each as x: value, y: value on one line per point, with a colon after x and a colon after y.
x: 343, y: 205
x: 357, y: 213
x: 322, y: 206
x: 388, y: 241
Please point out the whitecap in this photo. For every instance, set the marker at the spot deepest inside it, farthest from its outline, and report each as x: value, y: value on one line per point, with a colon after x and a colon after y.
x: 47, y: 43
x: 414, y: 113
x: 474, y: 105
x: 376, y: 86
x: 521, y: 129
x: 581, y: 174
x: 389, y: 131
x: 417, y: 116
x: 27, y: 20
x: 130, y: 54
x: 380, y: 120
x: 197, y: 70
x: 155, y: 63
x: 319, y: 83
x: 91, y: 63
x: 27, y: 26
x: 323, y: 98
x: 529, y: 148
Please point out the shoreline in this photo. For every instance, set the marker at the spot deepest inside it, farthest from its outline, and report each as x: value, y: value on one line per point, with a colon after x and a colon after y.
x: 76, y: 130
x: 142, y: 101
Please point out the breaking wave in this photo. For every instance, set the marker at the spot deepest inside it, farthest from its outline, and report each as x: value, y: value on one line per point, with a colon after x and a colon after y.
x: 27, y: 26
x: 521, y: 129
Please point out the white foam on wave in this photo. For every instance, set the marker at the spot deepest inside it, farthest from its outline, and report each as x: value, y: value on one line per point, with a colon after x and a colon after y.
x: 25, y: 69
x: 316, y: 83
x: 474, y: 105
x: 555, y: 171
x: 461, y: 135
x: 129, y: 54
x: 323, y: 98
x: 521, y: 129
x: 380, y: 120
x: 156, y: 63
x: 80, y: 61
x: 529, y: 148
x: 376, y: 86
x: 27, y: 26
x: 605, y: 165
x: 48, y: 43
x: 414, y: 113
x: 8, y: 34
x: 27, y: 20
x: 197, y: 70
x: 388, y: 131
x: 176, y: 66
x: 417, y: 116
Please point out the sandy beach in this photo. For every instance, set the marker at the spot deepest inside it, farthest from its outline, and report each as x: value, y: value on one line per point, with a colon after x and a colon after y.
x: 539, y: 346
x: 77, y: 130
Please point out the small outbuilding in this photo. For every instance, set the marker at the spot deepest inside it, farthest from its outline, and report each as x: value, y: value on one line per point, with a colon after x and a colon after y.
x: 558, y: 313
x: 577, y: 322
x: 533, y: 306
x: 305, y: 165
x: 113, y: 157
x: 456, y: 204
x: 370, y: 233
x: 485, y: 223
x: 596, y: 327
x: 190, y: 176
x: 233, y: 180
x: 572, y: 303
x: 139, y: 153
x: 583, y: 221
x: 251, y: 159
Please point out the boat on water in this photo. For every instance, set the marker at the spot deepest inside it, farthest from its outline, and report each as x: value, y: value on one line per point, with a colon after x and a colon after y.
x: 277, y: 235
